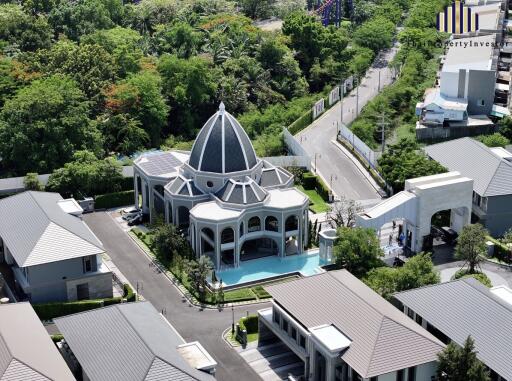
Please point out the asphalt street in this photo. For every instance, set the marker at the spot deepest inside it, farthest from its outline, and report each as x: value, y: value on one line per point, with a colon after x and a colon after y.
x: 205, y: 326
x: 334, y: 165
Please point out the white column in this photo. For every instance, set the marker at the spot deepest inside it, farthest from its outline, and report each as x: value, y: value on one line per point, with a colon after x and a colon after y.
x: 135, y: 190
x: 283, y: 237
x: 166, y: 211
x: 217, y: 248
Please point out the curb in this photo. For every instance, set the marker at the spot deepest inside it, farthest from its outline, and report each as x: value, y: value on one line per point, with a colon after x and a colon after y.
x: 360, y: 167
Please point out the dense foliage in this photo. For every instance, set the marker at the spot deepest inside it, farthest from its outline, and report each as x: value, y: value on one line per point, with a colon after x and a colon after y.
x: 461, y: 363
x: 115, y: 77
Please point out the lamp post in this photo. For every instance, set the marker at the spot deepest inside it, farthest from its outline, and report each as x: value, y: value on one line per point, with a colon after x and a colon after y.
x: 319, y: 156
x: 233, y: 321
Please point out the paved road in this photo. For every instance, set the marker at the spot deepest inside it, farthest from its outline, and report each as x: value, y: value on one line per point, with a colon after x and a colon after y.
x: 498, y: 275
x: 193, y: 324
x: 347, y: 180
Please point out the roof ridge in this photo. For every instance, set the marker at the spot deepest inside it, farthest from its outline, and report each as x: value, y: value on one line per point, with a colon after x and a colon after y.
x: 173, y: 365
x: 471, y: 282
x: 28, y: 366
x: 373, y: 347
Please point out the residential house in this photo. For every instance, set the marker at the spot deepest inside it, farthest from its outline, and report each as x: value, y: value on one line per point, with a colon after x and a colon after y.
x: 491, y: 171
x: 344, y: 331
x: 452, y: 311
x: 131, y: 342
x: 26, y: 350
x: 53, y: 254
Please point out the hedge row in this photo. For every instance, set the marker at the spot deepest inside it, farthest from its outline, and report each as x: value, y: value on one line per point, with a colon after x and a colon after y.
x: 501, y: 252
x: 310, y: 181
x: 301, y: 123
x: 49, y: 311
x: 112, y: 200
x: 249, y: 323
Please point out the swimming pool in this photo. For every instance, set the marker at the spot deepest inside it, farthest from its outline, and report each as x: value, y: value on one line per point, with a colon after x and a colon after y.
x: 268, y: 267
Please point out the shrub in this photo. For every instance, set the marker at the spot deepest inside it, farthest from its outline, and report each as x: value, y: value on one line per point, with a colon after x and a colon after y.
x: 249, y: 323
x: 302, y: 122
x: 48, y: 311
x: 112, y: 200
x: 128, y: 293
x: 309, y: 181
x: 57, y: 338
x: 322, y: 189
x: 260, y: 292
x: 481, y: 277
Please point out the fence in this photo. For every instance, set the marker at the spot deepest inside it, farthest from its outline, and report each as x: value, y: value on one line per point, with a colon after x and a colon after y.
x: 366, y: 152
x: 290, y: 161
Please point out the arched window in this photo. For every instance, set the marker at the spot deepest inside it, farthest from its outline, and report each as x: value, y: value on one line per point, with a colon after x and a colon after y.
x: 254, y: 224
x: 183, y: 217
x: 271, y: 224
x: 241, y: 228
x: 292, y: 223
x: 227, y: 236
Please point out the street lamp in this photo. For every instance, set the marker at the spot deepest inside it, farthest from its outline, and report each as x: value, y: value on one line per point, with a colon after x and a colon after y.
x: 233, y: 321
x: 319, y: 156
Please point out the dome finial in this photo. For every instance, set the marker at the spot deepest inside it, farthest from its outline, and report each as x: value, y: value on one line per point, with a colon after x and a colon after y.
x: 222, y: 108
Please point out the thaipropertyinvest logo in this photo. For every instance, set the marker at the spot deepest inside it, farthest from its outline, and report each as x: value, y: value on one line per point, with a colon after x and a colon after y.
x: 457, y: 19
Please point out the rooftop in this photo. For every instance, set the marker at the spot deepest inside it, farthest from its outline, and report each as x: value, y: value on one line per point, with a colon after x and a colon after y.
x: 39, y: 231
x: 492, y: 174
x: 382, y: 338
x: 26, y: 350
x: 285, y: 198
x: 473, y: 53
x: 466, y: 307
x: 160, y: 163
x: 130, y: 342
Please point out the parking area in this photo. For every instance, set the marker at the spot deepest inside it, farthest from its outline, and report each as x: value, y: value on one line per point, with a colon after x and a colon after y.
x: 272, y: 361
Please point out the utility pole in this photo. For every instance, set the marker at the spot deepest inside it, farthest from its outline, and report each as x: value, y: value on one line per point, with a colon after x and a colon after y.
x: 319, y: 155
x: 357, y: 96
x: 379, y: 80
x: 342, y: 90
x: 382, y: 129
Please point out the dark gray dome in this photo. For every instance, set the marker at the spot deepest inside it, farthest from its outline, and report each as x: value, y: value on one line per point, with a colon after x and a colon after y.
x: 222, y: 146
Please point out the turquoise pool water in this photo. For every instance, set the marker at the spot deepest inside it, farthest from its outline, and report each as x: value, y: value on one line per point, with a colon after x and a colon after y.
x: 260, y: 269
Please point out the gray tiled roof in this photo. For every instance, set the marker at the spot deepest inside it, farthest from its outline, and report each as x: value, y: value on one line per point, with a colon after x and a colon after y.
x: 383, y: 339
x: 26, y: 350
x: 129, y: 342
x: 274, y: 176
x: 466, y: 307
x: 222, y: 146
x: 183, y: 186
x: 38, y: 231
x: 492, y: 175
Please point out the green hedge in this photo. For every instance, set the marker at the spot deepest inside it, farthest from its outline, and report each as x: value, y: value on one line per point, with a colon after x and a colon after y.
x: 249, y: 323
x: 309, y: 181
x: 322, y: 189
x: 481, y: 277
x: 112, y: 200
x: 241, y: 295
x: 48, y: 311
x: 57, y: 338
x: 501, y: 252
x: 260, y: 292
x: 301, y: 123
x: 128, y: 293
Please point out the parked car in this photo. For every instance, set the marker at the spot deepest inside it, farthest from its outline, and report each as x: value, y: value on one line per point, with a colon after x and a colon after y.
x: 449, y: 235
x: 130, y: 209
x: 136, y: 220
x: 130, y: 215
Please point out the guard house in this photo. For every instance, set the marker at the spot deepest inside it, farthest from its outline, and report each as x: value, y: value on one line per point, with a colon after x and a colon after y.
x: 422, y: 198
x: 232, y: 205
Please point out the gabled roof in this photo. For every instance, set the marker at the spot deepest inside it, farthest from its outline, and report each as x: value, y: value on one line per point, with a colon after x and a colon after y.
x: 129, y: 342
x: 245, y: 192
x: 26, y: 350
x: 492, y: 175
x: 383, y: 339
x: 183, y: 186
x: 38, y: 231
x: 272, y: 176
x: 466, y: 307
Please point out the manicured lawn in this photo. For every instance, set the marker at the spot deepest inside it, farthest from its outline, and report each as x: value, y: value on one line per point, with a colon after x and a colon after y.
x: 260, y: 292
x: 317, y: 203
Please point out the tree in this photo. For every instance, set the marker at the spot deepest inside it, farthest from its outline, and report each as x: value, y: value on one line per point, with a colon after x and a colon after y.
x: 44, y: 124
x: 180, y: 39
x: 122, y: 44
x: 23, y: 31
x: 375, y: 34
x: 256, y: 9
x: 358, y: 250
x: 457, y: 363
x: 418, y: 271
x: 471, y: 246
x: 190, y: 86
x: 123, y: 134
x: 140, y: 97
x: 505, y: 127
x: 169, y: 243
x: 199, y: 272
x: 91, y: 66
x: 86, y: 175
x: 344, y: 212
x: 402, y: 161
x: 31, y: 182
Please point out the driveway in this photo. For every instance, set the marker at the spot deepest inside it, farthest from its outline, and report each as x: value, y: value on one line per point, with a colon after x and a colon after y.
x: 193, y: 324
x: 347, y: 179
x: 497, y: 274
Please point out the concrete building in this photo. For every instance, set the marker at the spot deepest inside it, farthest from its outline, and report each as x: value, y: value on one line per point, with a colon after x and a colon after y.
x: 344, y: 331
x: 27, y: 352
x: 422, y: 198
x: 232, y: 205
x: 131, y: 342
x: 491, y: 171
x: 53, y: 254
x: 452, y: 311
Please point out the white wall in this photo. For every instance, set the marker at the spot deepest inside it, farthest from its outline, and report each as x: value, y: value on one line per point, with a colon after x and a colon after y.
x: 424, y: 372
x: 449, y: 84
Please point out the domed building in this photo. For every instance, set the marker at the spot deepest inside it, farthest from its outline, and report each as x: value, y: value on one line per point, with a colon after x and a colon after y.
x: 233, y: 205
